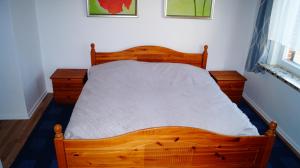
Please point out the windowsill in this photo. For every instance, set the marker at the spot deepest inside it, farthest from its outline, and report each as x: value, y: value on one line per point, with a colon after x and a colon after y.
x: 284, y: 75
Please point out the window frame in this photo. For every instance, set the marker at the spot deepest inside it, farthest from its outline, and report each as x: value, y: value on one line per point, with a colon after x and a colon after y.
x: 282, y: 61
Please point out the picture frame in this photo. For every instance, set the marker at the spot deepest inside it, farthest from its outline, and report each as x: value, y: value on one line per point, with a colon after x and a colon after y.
x: 201, y: 9
x: 112, y: 8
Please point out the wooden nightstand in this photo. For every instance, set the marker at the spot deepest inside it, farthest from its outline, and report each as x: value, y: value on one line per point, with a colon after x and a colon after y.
x: 231, y: 83
x: 67, y: 84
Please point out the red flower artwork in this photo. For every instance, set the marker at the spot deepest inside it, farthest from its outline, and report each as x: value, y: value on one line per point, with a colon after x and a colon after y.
x: 114, y: 6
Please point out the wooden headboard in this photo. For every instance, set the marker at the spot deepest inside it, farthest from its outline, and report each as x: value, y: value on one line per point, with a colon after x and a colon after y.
x: 150, y: 54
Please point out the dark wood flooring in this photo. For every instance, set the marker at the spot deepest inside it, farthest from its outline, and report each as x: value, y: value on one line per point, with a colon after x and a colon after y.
x: 14, y: 133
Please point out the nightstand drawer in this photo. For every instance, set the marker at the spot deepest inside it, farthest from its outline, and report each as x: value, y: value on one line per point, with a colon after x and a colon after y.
x: 235, y: 99
x: 67, y: 93
x: 68, y: 80
x: 233, y: 92
x: 235, y: 85
x: 66, y: 96
x: 67, y: 86
x: 66, y: 99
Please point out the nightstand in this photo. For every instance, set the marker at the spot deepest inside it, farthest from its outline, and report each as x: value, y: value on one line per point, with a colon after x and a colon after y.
x: 67, y: 84
x: 231, y: 83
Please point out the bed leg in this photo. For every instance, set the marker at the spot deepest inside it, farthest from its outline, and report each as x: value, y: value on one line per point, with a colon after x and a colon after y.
x: 59, y: 146
x: 270, y: 133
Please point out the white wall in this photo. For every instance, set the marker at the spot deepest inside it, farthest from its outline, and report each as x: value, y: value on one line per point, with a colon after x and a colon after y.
x: 277, y: 101
x: 21, y: 64
x: 29, y: 54
x: 66, y: 32
x: 12, y: 101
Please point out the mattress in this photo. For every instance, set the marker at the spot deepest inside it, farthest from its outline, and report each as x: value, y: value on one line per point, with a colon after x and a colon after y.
x: 125, y: 96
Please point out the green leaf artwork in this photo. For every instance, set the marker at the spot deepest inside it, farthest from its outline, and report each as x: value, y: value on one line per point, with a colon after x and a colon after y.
x: 189, y: 8
x: 112, y: 7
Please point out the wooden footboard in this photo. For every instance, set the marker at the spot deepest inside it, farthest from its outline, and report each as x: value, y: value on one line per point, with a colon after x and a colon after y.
x: 165, y: 147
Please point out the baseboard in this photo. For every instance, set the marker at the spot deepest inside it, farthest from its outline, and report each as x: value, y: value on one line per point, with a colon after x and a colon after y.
x: 36, y: 104
x: 281, y: 134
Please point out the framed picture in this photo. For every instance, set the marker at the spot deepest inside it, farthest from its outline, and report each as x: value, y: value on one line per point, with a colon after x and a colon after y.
x: 112, y: 8
x: 189, y: 8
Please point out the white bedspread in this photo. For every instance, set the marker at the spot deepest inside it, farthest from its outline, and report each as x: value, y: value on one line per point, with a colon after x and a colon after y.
x: 124, y: 96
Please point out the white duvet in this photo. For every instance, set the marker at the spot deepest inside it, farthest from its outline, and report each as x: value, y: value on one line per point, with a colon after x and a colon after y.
x: 124, y: 96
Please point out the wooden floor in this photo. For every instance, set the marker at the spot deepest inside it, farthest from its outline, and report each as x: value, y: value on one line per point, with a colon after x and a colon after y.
x: 14, y: 133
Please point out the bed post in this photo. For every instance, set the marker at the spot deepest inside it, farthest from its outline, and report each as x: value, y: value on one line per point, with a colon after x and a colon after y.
x: 59, y: 146
x: 93, y: 54
x: 270, y: 133
x: 204, y: 55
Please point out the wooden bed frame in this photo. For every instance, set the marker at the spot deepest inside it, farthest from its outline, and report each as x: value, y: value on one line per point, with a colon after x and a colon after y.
x: 163, y: 147
x: 150, y: 54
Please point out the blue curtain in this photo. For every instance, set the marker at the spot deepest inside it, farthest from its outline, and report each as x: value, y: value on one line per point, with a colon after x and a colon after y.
x: 260, y: 44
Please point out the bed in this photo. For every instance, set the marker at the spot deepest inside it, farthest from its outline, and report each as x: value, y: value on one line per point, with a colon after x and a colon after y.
x: 197, y: 135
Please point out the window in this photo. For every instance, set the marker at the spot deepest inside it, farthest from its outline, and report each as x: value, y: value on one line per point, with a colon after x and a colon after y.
x: 289, y: 60
x: 294, y: 57
x: 284, y: 33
